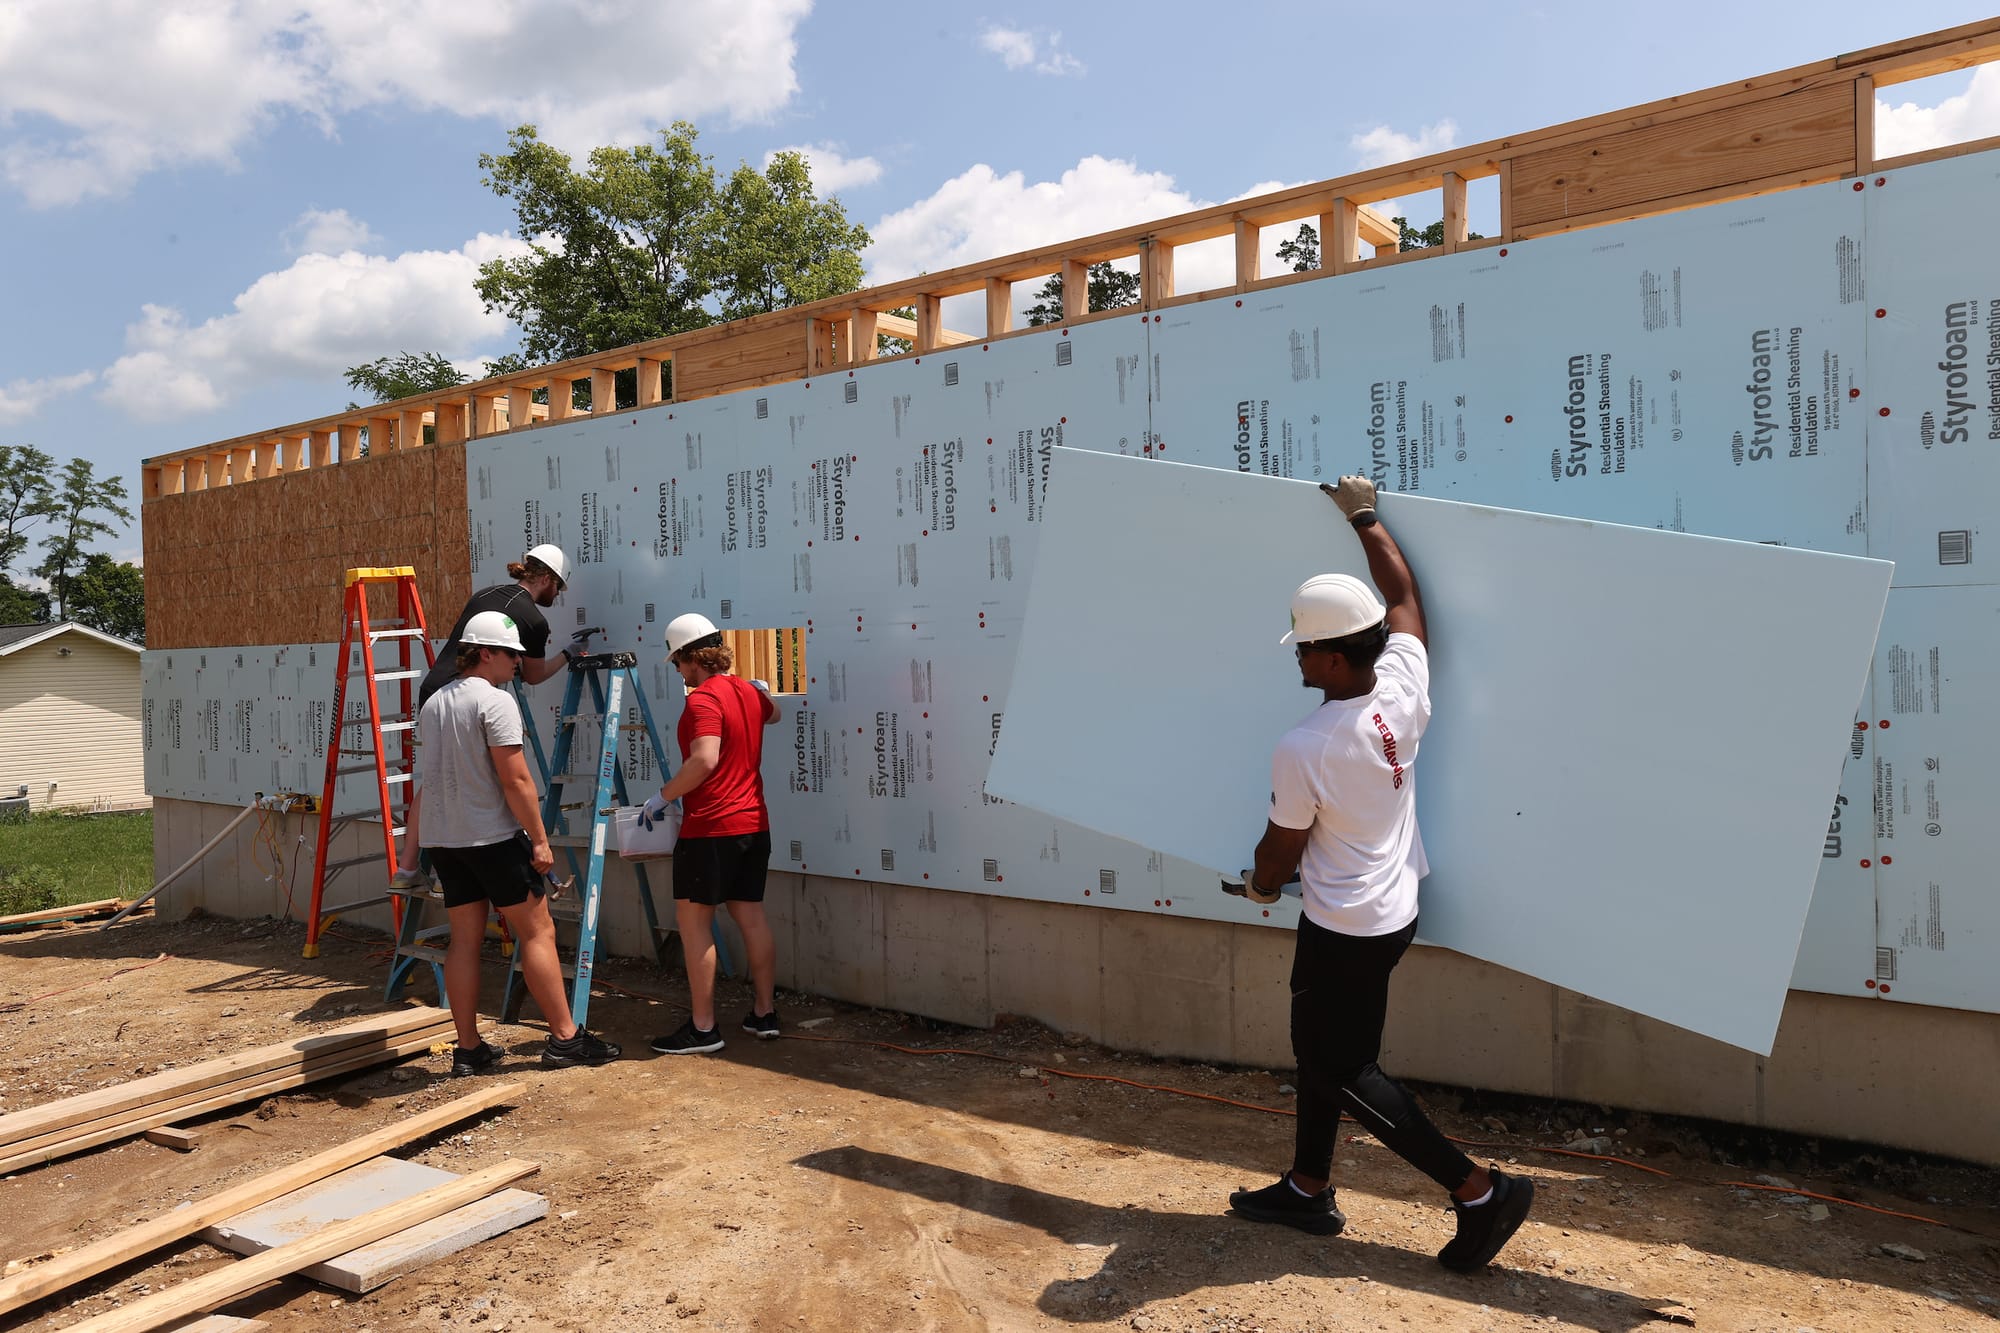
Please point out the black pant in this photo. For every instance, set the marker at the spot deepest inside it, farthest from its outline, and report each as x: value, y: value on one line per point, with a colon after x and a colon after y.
x: 1340, y: 1000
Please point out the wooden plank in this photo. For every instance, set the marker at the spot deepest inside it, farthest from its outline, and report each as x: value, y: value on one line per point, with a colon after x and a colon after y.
x: 603, y: 392
x: 170, y: 1136
x: 380, y: 1030
x: 448, y: 422
x: 122, y: 1247
x: 862, y: 330
x: 17, y: 1156
x: 1076, y: 289
x: 899, y: 326
x: 520, y: 406
x: 1338, y: 243
x: 1938, y: 154
x: 212, y: 1289
x: 1864, y: 125
x: 1745, y: 190
x: 322, y: 442
x: 1454, y: 212
x: 999, y: 306
x: 649, y: 382
x: 74, y: 910
x: 486, y: 414
x: 1156, y: 271
x: 1249, y: 259
x: 350, y: 442
x: 1805, y: 134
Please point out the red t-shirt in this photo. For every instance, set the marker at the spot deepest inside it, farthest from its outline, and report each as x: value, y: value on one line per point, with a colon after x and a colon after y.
x: 730, y: 801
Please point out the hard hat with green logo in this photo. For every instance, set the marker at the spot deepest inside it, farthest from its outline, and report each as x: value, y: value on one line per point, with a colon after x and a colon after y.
x: 492, y: 629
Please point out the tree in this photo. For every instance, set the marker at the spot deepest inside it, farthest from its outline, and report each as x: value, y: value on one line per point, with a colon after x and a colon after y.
x: 110, y: 595
x: 22, y: 606
x: 777, y: 244
x: 1302, y: 251
x: 26, y: 497
x: 619, y: 252
x: 406, y: 375
x: 1107, y: 289
x: 79, y: 499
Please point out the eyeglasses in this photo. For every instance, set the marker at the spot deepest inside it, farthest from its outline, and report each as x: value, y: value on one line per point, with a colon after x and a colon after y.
x: 513, y: 654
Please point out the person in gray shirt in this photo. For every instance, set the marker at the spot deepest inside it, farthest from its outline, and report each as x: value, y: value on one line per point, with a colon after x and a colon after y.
x: 483, y: 830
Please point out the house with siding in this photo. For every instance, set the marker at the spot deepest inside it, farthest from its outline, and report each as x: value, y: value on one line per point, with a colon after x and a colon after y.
x: 70, y: 716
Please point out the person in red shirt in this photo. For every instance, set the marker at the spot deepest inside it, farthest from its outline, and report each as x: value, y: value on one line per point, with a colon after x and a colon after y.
x: 724, y: 848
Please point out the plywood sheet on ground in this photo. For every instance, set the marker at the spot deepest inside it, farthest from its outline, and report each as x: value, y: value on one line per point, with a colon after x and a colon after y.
x: 1637, y: 734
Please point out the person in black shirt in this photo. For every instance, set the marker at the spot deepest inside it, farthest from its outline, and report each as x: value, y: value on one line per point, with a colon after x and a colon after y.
x: 539, y: 577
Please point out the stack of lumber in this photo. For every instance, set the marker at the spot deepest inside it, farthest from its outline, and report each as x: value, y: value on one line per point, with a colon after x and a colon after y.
x: 57, y: 1129
x: 122, y: 1247
x: 63, y: 916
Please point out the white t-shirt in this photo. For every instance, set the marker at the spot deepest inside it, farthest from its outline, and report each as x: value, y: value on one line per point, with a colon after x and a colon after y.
x: 463, y: 803
x: 1348, y: 773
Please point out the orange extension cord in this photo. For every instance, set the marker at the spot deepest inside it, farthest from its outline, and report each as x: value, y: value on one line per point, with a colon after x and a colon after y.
x: 1464, y: 1143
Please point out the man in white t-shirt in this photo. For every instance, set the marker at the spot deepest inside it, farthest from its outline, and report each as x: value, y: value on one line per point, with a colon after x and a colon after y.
x: 1343, y: 819
x: 483, y: 829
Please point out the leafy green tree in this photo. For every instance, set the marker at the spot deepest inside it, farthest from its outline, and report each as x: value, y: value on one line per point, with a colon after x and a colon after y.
x: 26, y: 498
x: 620, y: 251
x: 1108, y: 289
x: 22, y: 606
x: 776, y: 244
x: 1302, y: 250
x: 110, y: 595
x: 79, y: 499
x: 405, y: 375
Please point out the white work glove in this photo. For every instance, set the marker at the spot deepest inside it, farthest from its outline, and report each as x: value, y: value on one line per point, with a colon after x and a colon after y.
x: 1249, y: 888
x: 653, y: 811
x: 579, y: 643
x: 761, y: 687
x: 1354, y: 495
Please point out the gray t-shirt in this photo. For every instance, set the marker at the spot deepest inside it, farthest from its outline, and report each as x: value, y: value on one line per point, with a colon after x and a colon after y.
x: 463, y: 804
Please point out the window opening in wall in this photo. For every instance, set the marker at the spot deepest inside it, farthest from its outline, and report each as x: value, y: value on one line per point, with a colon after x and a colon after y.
x: 775, y: 656
x: 1936, y: 112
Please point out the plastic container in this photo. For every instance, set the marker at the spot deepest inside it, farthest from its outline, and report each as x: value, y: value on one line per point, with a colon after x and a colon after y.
x: 637, y: 843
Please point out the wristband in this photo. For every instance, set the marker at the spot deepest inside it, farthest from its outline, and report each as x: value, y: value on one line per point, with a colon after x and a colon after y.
x: 1365, y: 519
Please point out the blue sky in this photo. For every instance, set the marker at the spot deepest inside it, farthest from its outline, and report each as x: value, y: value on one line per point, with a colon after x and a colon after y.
x: 211, y: 209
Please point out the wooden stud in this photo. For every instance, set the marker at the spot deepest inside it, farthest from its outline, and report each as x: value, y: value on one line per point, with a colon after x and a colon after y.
x: 1507, y: 200
x: 520, y: 406
x: 170, y: 1136
x: 930, y: 321
x: 1864, y: 125
x: 1249, y: 259
x: 562, y: 401
x: 174, y: 477
x: 152, y: 481
x: 1338, y: 241
x: 1454, y: 212
x: 861, y: 329
x: 217, y: 472
x: 409, y: 434
x: 1076, y: 289
x: 122, y: 1247
x: 322, y: 449
x: 384, y: 430
x: 196, y: 1295
x: 603, y: 392
x: 350, y: 442
x: 1156, y: 270
x: 449, y: 421
x: 485, y: 414
x: 649, y: 381
x: 999, y: 306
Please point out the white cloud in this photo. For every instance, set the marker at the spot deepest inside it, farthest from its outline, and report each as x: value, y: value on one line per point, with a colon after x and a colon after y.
x: 1383, y: 146
x: 1972, y: 114
x: 21, y: 399
x: 1018, y: 48
x: 328, y: 232
x: 831, y: 171
x: 309, y: 321
x: 96, y: 93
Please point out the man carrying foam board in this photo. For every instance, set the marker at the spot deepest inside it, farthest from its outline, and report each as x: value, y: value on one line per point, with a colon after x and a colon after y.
x: 1343, y: 819
x: 486, y: 840
x: 724, y: 848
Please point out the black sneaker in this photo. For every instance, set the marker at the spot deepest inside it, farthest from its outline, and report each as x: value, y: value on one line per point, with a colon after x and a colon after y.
x: 762, y: 1026
x: 466, y: 1061
x: 687, y: 1039
x: 1283, y: 1203
x: 1484, y: 1228
x: 585, y: 1048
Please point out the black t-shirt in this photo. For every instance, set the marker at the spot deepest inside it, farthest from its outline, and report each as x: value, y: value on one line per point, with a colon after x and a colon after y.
x: 509, y: 599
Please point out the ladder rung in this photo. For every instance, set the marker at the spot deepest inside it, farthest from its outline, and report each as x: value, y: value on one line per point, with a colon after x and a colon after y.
x: 353, y: 906
x: 352, y: 769
x: 395, y: 633
x: 399, y: 725
x: 426, y: 952
x: 397, y: 675
x: 395, y: 719
x: 356, y: 861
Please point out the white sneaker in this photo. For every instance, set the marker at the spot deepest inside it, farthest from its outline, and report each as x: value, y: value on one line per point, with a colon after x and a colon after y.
x: 410, y: 879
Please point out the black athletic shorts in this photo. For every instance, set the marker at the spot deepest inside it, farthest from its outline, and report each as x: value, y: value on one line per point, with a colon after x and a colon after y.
x: 728, y: 869
x: 497, y: 872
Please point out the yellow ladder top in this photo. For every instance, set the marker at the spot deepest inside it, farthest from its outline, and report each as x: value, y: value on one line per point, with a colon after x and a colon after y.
x: 379, y: 575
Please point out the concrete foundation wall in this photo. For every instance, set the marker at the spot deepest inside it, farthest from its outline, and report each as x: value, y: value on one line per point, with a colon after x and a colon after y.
x: 1875, y: 1071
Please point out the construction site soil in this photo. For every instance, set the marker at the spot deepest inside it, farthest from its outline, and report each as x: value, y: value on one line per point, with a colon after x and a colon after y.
x: 834, y: 1181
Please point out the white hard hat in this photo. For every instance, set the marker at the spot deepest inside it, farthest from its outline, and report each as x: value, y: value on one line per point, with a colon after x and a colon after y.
x: 1333, y: 606
x: 683, y: 631
x: 492, y: 629
x: 554, y: 559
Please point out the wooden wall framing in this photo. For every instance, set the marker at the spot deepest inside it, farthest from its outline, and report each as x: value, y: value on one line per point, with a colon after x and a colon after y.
x: 227, y: 569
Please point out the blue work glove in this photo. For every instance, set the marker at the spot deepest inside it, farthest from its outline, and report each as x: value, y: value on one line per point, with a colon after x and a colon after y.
x: 652, y: 811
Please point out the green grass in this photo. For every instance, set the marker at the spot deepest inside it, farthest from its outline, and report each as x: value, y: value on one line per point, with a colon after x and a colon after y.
x: 53, y: 860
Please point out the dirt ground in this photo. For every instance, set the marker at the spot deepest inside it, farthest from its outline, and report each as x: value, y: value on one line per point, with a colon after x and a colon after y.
x: 833, y: 1184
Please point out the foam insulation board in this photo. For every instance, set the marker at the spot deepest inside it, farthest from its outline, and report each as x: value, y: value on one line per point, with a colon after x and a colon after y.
x: 1586, y: 678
